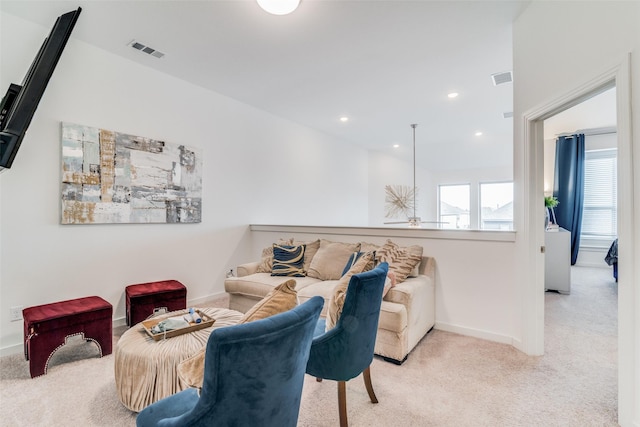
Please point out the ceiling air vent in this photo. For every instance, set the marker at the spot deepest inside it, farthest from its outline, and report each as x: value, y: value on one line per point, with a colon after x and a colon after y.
x: 500, y: 78
x: 507, y: 114
x: 146, y: 49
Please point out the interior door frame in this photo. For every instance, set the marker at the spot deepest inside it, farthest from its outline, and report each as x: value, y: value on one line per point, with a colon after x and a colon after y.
x: 618, y: 75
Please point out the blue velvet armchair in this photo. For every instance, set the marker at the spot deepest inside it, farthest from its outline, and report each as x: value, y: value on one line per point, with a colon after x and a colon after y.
x: 346, y: 351
x: 253, y: 376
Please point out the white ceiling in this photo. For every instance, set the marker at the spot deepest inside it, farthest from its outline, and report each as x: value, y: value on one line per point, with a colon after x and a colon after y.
x: 384, y: 64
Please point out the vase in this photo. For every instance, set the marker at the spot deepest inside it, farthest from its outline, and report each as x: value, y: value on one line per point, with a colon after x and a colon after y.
x: 547, y: 218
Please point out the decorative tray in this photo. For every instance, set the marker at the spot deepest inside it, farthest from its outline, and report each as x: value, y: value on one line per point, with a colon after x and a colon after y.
x: 149, y: 324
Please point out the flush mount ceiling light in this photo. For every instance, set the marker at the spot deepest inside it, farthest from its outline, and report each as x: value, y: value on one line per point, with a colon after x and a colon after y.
x: 344, y: 119
x: 453, y: 95
x: 279, y: 7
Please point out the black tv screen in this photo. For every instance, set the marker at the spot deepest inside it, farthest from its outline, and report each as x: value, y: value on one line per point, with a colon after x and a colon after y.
x: 20, y: 102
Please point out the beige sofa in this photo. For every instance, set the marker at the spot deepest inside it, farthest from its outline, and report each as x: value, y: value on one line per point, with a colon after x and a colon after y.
x: 407, y: 311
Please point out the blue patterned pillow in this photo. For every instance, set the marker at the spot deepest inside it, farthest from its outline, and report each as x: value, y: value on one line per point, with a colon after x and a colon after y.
x: 288, y: 261
x: 352, y: 260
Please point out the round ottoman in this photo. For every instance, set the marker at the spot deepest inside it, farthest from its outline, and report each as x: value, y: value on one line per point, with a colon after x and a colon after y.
x: 146, y: 370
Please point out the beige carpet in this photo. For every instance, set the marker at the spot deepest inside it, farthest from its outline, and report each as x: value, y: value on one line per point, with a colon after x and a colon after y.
x: 448, y: 380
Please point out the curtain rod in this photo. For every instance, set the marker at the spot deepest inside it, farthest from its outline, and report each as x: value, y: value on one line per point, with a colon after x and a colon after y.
x: 592, y: 131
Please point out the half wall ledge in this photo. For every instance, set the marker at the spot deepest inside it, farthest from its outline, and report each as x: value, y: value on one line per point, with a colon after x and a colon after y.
x: 422, y: 233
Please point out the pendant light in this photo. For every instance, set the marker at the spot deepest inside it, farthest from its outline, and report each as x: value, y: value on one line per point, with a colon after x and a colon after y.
x: 413, y: 221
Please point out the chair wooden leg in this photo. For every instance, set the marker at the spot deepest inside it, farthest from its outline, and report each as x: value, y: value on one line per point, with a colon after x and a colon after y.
x: 366, y: 375
x: 342, y: 403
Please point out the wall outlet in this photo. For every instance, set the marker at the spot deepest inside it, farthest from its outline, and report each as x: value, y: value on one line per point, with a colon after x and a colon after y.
x: 15, y: 313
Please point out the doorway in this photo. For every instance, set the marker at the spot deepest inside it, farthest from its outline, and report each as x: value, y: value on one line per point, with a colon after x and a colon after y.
x: 617, y: 76
x: 580, y: 302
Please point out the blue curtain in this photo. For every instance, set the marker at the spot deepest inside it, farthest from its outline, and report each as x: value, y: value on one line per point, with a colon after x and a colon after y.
x: 569, y: 187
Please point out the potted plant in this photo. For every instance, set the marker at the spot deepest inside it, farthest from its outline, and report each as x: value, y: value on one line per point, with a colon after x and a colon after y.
x: 550, y: 202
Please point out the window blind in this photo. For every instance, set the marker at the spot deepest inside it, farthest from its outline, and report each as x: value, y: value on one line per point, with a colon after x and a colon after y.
x: 599, y: 217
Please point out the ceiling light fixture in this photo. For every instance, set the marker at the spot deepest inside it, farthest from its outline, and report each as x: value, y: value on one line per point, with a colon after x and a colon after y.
x: 453, y: 95
x: 478, y: 133
x: 279, y: 7
x: 396, y: 145
x: 344, y: 119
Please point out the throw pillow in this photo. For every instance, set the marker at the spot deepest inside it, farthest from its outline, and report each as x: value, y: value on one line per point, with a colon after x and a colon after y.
x: 367, y: 247
x: 311, y: 248
x: 336, y: 302
x: 288, y: 261
x: 329, y: 261
x: 282, y: 298
x: 402, y: 261
x: 266, y: 259
x: 191, y: 370
x: 353, y: 258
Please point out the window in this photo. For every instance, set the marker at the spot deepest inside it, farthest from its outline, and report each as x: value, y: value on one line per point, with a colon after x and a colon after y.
x: 599, y: 215
x: 496, y: 206
x: 454, y: 205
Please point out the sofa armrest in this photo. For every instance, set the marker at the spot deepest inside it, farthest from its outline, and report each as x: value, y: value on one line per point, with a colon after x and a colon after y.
x: 428, y: 267
x: 404, y: 293
x: 247, y: 268
x: 417, y: 295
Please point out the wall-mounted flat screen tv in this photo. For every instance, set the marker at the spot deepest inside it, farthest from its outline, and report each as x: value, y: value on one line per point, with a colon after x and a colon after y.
x: 20, y: 102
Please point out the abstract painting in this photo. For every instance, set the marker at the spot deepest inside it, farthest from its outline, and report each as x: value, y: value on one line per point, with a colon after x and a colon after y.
x: 114, y: 178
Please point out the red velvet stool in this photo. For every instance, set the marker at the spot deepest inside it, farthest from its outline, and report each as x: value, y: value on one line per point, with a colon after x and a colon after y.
x: 143, y: 299
x: 47, y: 326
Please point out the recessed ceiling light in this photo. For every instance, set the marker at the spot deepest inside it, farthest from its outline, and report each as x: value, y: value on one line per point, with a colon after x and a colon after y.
x: 344, y: 119
x: 453, y: 95
x: 396, y: 145
x: 478, y: 133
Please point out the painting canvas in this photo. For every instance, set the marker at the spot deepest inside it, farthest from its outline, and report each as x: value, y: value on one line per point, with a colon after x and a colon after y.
x: 114, y: 178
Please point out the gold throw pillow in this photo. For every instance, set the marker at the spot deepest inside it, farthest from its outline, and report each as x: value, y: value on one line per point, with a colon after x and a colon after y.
x: 282, y: 298
x: 336, y: 302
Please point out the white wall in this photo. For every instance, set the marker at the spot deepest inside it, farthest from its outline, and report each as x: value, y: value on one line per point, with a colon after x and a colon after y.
x: 474, y: 286
x: 385, y: 170
x: 257, y: 168
x: 558, y: 47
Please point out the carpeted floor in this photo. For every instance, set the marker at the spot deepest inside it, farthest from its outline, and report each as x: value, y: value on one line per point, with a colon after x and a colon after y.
x: 448, y: 380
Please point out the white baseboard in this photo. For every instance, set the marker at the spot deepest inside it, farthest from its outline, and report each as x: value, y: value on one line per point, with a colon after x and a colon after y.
x: 476, y: 333
x: 117, y: 322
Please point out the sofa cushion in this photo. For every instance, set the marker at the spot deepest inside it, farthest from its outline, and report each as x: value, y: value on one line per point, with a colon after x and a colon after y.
x: 393, y: 317
x: 402, y: 261
x: 258, y: 285
x: 322, y: 288
x: 288, y: 261
x: 329, y: 261
x: 364, y: 263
